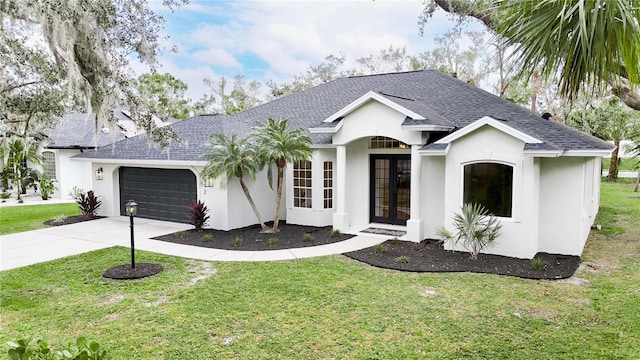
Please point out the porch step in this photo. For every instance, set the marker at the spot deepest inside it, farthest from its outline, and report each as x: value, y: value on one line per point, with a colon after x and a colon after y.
x: 386, y: 232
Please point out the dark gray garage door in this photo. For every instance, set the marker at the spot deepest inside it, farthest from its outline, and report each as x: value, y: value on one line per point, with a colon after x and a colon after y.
x: 161, y: 194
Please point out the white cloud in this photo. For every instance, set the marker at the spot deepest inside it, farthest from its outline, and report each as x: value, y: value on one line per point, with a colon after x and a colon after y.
x: 219, y: 57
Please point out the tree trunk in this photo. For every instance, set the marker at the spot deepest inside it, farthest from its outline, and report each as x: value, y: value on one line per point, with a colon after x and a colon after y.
x: 276, y: 217
x: 613, y: 166
x: 253, y: 205
x: 635, y: 189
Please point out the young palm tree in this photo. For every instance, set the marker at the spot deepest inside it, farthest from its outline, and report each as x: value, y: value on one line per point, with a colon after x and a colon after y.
x: 232, y: 157
x: 279, y: 145
x: 20, y: 151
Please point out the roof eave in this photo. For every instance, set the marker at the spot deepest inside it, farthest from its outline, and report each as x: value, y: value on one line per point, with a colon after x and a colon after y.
x: 427, y: 127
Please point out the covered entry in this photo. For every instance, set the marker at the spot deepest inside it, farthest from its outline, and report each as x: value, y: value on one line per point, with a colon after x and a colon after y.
x: 161, y: 194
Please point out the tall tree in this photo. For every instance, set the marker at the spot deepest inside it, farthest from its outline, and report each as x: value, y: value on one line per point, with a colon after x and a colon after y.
x: 590, y: 43
x: 163, y: 95
x: 280, y: 145
x: 83, y: 46
x: 610, y: 120
x: 243, y: 95
x: 231, y: 157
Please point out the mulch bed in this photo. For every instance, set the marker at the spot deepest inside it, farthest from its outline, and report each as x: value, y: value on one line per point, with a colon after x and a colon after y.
x: 290, y: 236
x: 72, y: 220
x: 126, y: 272
x: 430, y: 256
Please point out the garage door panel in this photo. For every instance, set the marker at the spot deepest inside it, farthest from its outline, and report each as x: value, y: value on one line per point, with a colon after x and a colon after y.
x: 163, y: 194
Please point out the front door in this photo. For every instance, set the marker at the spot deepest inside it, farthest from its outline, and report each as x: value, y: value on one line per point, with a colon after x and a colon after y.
x: 390, y: 189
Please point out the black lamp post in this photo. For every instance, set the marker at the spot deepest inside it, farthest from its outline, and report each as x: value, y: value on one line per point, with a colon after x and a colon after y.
x: 131, y: 209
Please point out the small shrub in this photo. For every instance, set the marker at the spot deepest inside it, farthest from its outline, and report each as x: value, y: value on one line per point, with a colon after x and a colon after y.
x: 75, y: 192
x: 307, y: 237
x: 237, y: 241
x: 199, y: 215
x: 88, y: 203
x: 395, y: 240
x: 59, y: 219
x: 335, y: 233
x: 180, y: 234
x: 46, y: 187
x: 538, y: 264
x: 379, y: 249
x: 272, y: 241
x: 401, y: 260
x: 475, y: 228
x: 4, y: 195
x: 82, y: 349
x: 207, y: 238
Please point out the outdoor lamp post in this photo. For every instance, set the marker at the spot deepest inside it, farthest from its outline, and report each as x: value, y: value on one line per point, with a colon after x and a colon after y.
x: 131, y: 209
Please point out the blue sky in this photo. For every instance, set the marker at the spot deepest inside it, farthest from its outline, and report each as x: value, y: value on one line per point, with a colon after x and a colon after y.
x: 275, y: 40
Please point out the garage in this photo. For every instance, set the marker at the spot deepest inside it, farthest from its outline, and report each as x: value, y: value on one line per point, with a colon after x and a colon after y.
x: 161, y: 194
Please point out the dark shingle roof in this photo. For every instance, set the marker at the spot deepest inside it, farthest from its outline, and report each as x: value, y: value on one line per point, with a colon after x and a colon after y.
x: 439, y: 98
x: 78, y: 130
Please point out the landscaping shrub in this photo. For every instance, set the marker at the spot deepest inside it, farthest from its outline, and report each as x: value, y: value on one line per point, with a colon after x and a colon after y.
x: 81, y: 350
x: 199, y: 215
x: 88, y: 203
x: 475, y: 228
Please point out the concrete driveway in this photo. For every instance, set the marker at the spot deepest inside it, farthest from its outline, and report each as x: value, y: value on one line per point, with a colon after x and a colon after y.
x: 32, y: 247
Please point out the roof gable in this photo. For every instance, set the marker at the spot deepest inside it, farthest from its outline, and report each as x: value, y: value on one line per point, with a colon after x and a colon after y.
x: 489, y: 121
x: 369, y: 96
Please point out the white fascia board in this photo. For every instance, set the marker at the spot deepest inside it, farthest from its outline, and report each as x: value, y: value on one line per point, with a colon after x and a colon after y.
x: 588, y: 153
x: 442, y: 152
x: 426, y: 127
x: 371, y: 95
x: 326, y: 130
x: 544, y: 153
x: 487, y: 120
x: 142, y: 162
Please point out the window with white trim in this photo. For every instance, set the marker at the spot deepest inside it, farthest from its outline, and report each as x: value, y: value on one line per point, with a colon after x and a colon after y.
x: 49, y: 164
x: 490, y: 185
x: 328, y: 184
x: 302, y: 184
x: 383, y: 142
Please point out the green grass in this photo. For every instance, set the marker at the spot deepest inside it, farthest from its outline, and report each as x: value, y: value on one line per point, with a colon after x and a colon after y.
x: 334, y: 307
x: 31, y: 217
x: 623, y: 165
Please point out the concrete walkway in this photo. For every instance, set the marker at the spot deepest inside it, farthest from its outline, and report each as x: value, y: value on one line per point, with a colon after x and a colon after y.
x: 32, y: 247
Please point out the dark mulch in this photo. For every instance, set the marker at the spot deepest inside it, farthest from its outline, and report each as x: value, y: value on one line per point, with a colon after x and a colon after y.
x: 290, y: 236
x: 126, y: 272
x: 72, y: 220
x: 430, y: 256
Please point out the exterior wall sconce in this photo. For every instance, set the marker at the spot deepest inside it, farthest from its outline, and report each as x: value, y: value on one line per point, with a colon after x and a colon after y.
x: 99, y: 174
x: 209, y: 181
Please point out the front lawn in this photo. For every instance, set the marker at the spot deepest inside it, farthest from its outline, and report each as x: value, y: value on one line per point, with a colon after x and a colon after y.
x: 334, y: 307
x: 32, y: 217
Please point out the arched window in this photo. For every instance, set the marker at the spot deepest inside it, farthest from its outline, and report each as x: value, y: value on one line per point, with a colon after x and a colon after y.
x: 490, y: 185
x: 49, y: 164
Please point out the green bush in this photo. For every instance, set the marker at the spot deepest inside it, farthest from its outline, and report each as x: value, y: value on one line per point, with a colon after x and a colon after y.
x: 207, y: 238
x: 379, y: 249
x: 82, y: 350
x: 307, y: 237
x: 272, y: 241
x: 401, y: 260
x: 475, y: 228
x: 237, y: 241
x: 335, y: 233
x: 538, y: 264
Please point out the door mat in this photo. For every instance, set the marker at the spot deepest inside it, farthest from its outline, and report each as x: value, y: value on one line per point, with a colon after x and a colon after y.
x: 379, y: 231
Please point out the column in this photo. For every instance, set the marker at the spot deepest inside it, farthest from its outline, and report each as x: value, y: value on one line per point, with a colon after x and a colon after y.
x: 340, y: 217
x: 415, y: 225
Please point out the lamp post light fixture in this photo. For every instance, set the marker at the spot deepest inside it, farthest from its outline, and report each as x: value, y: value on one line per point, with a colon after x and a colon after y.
x: 131, y: 209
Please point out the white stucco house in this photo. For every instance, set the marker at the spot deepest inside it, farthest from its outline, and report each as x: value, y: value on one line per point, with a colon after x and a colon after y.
x: 401, y: 151
x: 75, y: 134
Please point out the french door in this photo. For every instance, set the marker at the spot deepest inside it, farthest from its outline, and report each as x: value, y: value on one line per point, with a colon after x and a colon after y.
x: 390, y: 189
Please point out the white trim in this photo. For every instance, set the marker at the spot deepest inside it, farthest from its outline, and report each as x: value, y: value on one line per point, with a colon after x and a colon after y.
x: 487, y: 120
x: 373, y: 96
x: 544, y: 153
x: 588, y: 153
x: 430, y: 152
x: 426, y: 127
x: 326, y: 130
x: 143, y: 162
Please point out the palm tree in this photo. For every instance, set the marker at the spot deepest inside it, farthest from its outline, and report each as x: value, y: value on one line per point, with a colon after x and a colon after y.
x: 587, y: 42
x: 280, y: 145
x: 20, y: 151
x: 593, y: 42
x: 232, y: 157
